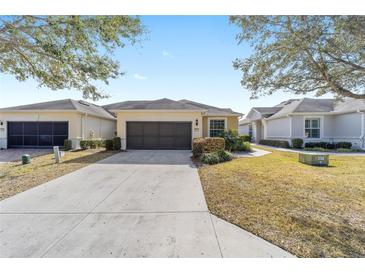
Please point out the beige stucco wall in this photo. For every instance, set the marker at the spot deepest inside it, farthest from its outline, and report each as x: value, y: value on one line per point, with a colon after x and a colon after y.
x: 232, y: 123
x: 135, y: 116
x: 103, y: 128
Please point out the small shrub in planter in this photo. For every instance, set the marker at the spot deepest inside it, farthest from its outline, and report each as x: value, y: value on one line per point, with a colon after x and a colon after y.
x: 347, y: 145
x: 109, y: 144
x: 275, y: 143
x: 117, y: 143
x: 210, y: 158
x: 245, y: 138
x: 297, y: 143
x: 67, y: 145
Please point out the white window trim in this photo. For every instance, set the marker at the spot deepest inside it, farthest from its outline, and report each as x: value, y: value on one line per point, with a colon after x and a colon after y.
x: 321, y: 127
x: 217, y: 118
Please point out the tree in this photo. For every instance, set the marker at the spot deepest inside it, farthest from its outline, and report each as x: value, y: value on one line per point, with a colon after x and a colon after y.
x: 65, y: 51
x: 301, y: 54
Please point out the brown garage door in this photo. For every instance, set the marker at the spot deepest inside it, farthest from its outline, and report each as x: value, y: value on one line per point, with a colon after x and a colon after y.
x: 159, y: 135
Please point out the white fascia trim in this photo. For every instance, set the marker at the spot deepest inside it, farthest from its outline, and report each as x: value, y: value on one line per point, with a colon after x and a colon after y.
x: 36, y: 111
x: 156, y: 110
x: 217, y: 118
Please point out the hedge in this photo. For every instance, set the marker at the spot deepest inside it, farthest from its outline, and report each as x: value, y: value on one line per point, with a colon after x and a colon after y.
x: 275, y: 143
x: 67, y: 144
x: 85, y: 144
x: 328, y: 145
x: 109, y: 144
x: 207, y: 145
x: 117, y: 143
x: 245, y: 138
x: 297, y: 142
x: 216, y: 157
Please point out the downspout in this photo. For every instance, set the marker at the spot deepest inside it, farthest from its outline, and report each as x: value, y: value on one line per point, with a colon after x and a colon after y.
x: 362, y: 137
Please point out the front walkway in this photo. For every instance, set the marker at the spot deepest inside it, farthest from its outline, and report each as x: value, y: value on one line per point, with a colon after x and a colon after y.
x: 304, y: 151
x: 133, y: 204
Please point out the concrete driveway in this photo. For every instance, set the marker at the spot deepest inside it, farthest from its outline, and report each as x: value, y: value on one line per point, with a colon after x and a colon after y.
x: 133, y: 204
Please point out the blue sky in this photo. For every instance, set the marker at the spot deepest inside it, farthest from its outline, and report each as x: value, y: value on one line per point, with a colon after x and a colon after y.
x: 182, y: 57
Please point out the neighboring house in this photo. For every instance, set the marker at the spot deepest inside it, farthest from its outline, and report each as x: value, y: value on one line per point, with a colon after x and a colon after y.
x: 50, y: 123
x: 157, y: 124
x: 169, y: 124
x: 312, y: 120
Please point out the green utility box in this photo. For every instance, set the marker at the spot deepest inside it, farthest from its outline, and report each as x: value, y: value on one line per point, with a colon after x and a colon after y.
x: 25, y: 159
x: 314, y: 159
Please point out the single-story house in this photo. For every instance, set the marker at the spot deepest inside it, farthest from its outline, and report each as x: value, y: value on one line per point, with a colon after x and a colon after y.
x: 169, y: 124
x: 48, y: 124
x: 312, y: 120
x: 155, y: 124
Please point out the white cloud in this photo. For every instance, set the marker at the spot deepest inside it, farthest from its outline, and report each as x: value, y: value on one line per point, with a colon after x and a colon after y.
x: 167, y: 54
x: 139, y: 77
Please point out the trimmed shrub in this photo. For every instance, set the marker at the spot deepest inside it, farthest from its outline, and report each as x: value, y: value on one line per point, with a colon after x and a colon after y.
x: 275, y: 143
x: 109, y: 144
x: 198, y: 147
x: 224, y: 156
x: 67, y: 145
x: 213, y: 144
x: 231, y: 139
x: 346, y: 145
x: 84, y: 144
x: 216, y: 157
x: 245, y: 138
x: 210, y: 158
x: 117, y: 143
x: 244, y: 146
x: 297, y: 143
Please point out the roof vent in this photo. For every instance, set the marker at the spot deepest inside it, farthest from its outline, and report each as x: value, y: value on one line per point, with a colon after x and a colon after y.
x: 84, y: 103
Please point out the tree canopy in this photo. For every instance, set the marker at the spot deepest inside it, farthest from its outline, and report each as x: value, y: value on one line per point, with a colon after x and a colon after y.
x: 65, y: 52
x: 302, y: 54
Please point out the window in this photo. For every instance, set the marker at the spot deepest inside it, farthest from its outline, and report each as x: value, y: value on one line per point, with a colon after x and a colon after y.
x: 312, y: 128
x: 250, y: 130
x: 216, y: 127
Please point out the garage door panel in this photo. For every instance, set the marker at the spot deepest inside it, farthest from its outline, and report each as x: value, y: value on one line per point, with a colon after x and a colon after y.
x: 135, y: 129
x: 45, y: 128
x: 59, y: 140
x: 167, y: 142
x: 37, y: 134
x: 15, y: 141
x: 31, y: 128
x: 31, y: 140
x: 60, y: 128
x: 167, y: 129
x: 15, y: 128
x: 151, y: 129
x: 159, y: 135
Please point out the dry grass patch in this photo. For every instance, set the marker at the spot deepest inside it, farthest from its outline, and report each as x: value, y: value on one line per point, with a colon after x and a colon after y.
x: 309, y: 211
x: 15, y: 177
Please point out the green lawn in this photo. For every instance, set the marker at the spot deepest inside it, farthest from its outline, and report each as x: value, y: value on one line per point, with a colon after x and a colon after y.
x: 309, y: 211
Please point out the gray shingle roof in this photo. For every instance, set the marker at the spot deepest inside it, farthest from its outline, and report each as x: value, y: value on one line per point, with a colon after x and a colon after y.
x: 309, y: 105
x: 267, y: 110
x: 66, y: 104
x: 168, y: 104
x: 210, y: 110
x: 161, y: 104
